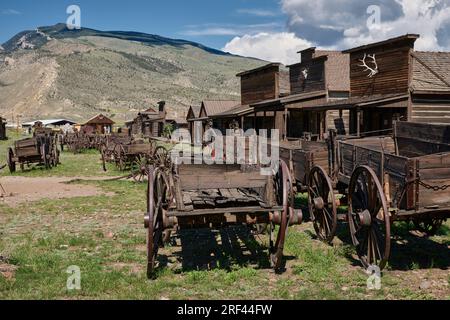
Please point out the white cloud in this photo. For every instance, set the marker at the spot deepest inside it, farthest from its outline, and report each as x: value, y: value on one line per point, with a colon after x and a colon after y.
x: 10, y: 12
x: 425, y: 17
x: 274, y: 47
x: 343, y: 23
x: 258, y: 12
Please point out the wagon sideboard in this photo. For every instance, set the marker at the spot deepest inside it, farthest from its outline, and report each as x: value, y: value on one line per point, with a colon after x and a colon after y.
x: 302, y: 156
x: 413, y: 181
x: 27, y: 148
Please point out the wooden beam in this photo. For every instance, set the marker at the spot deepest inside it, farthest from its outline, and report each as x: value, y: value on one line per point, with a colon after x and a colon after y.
x: 233, y: 210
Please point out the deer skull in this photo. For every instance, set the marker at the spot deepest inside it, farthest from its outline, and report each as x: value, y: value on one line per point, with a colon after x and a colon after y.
x: 374, y: 69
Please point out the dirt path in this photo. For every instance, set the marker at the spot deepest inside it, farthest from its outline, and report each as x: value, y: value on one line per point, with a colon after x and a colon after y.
x: 20, y: 189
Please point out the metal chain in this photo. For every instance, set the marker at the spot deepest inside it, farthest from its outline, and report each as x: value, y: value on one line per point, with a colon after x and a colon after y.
x: 434, y: 188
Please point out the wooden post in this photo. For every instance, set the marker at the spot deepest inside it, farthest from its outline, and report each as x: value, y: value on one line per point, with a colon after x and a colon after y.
x: 285, y: 123
x: 358, y: 122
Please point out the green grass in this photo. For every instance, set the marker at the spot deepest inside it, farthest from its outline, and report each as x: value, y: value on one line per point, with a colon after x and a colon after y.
x: 105, y: 237
x: 85, y: 164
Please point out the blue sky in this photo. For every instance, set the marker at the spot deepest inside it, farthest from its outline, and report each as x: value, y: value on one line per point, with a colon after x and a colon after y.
x: 187, y: 19
x: 268, y: 29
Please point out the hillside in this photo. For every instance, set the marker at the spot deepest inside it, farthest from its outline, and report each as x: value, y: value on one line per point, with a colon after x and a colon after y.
x: 53, y: 72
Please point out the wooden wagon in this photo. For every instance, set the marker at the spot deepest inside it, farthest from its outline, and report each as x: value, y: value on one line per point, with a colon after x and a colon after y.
x: 109, y: 145
x: 302, y: 156
x: 401, y: 178
x: 42, y: 149
x: 214, y: 196
x: 134, y: 155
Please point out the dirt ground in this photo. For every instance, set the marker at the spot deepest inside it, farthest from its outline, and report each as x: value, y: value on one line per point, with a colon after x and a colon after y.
x: 21, y: 189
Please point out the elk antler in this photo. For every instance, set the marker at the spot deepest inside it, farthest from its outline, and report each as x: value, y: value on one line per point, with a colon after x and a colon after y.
x: 373, y: 71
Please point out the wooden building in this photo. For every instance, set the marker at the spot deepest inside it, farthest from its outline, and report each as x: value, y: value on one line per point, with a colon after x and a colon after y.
x: 99, y: 124
x: 195, y: 126
x: 391, y: 81
x: 286, y: 100
x: 207, y: 118
x: 266, y: 83
x: 149, y: 123
x: 2, y: 129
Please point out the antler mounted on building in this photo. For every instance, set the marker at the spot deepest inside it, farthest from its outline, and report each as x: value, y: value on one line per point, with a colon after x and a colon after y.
x: 373, y: 71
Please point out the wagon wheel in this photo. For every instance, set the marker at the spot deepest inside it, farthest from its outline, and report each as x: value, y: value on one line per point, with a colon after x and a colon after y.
x: 10, y: 161
x: 322, y: 204
x: 285, y: 192
x: 161, y: 157
x: 139, y: 169
x: 368, y: 218
x: 428, y: 226
x: 157, y: 205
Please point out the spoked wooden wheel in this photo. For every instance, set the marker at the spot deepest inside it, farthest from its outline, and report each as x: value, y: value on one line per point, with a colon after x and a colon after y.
x: 428, y: 226
x: 10, y: 160
x: 368, y: 218
x: 285, y: 193
x: 139, y: 169
x: 161, y: 157
x: 322, y: 204
x: 157, y: 205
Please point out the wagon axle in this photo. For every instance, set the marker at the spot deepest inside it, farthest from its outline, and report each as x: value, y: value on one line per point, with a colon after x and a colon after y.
x: 171, y: 222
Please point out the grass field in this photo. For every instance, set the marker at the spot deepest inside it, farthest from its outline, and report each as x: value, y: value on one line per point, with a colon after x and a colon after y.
x: 105, y: 237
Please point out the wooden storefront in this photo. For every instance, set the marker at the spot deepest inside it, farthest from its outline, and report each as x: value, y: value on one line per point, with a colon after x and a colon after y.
x: 321, y: 76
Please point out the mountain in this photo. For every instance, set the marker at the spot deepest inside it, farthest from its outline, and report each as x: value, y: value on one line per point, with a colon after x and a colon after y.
x: 53, y: 72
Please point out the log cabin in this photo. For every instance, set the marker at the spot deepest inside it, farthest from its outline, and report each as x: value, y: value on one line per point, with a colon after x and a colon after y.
x: 3, y: 129
x: 149, y: 123
x: 99, y: 124
x: 391, y: 81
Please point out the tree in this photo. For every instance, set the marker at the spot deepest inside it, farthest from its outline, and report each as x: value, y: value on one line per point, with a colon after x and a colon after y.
x: 168, y: 129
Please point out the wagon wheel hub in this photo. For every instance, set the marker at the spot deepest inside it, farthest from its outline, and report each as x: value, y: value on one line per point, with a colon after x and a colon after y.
x: 365, y: 219
x: 146, y: 221
x: 319, y: 204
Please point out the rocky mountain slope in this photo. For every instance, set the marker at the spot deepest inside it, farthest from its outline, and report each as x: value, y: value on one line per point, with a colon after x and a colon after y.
x: 53, y: 72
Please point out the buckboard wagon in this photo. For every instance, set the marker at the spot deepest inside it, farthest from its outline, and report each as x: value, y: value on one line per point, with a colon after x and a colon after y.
x: 405, y: 177
x: 214, y: 196
x: 42, y: 149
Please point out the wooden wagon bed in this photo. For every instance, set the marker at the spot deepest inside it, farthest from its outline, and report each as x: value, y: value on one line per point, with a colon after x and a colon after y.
x: 413, y: 166
x: 214, y: 196
x: 302, y: 156
x: 214, y: 189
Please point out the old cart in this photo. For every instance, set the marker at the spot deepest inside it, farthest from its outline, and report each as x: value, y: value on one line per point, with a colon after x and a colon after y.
x: 42, y: 149
x: 401, y: 178
x: 214, y: 196
x: 134, y: 155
